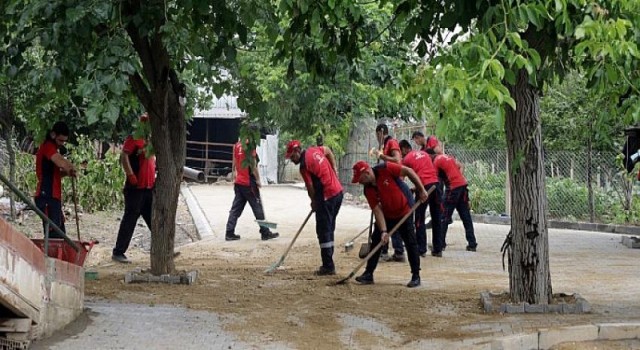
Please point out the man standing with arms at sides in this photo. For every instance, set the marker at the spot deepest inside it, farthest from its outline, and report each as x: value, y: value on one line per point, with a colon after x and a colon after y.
x: 247, y: 189
x: 140, y: 172
x: 421, y: 163
x: 390, y: 200
x: 456, y: 197
x: 319, y: 170
x: 51, y: 166
x: 390, y: 152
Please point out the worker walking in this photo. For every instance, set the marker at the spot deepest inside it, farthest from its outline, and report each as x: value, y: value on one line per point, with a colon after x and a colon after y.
x: 319, y: 170
x: 247, y: 189
x: 140, y: 171
x: 390, y: 200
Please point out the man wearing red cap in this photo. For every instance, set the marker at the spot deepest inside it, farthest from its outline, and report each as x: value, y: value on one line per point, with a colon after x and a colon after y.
x: 456, y: 197
x: 247, y: 189
x: 421, y: 163
x: 140, y: 171
x: 320, y: 173
x: 390, y: 200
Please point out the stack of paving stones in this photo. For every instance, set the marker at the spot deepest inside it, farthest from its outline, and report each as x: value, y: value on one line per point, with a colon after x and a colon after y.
x: 580, y: 306
x: 144, y: 277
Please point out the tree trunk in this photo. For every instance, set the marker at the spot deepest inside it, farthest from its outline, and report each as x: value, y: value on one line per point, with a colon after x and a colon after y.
x: 529, y: 275
x: 592, y: 211
x: 162, y: 95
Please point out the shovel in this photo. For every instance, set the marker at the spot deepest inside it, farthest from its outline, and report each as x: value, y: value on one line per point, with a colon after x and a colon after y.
x: 279, y: 262
x: 349, y: 245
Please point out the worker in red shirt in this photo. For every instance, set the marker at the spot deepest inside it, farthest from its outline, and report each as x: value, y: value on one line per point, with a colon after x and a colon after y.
x: 422, y: 164
x: 456, y: 197
x: 247, y: 189
x: 426, y: 143
x: 140, y: 172
x: 319, y: 170
x: 390, y: 152
x: 51, y: 166
x: 390, y: 199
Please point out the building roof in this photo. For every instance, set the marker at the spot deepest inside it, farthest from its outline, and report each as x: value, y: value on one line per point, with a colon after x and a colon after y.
x: 224, y: 107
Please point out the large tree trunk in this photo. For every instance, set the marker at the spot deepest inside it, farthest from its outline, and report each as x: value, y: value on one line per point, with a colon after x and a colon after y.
x: 162, y: 95
x: 529, y: 275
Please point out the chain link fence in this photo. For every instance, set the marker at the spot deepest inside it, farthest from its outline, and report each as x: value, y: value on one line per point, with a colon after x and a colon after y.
x: 567, y: 175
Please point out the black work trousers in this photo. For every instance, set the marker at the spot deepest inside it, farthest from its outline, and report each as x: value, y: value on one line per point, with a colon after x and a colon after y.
x: 244, y: 194
x: 137, y: 202
x: 408, y: 234
x: 52, y: 208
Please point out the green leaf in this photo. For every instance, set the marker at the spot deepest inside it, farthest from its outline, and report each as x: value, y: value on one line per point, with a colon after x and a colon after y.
x: 509, y: 76
x: 579, y: 32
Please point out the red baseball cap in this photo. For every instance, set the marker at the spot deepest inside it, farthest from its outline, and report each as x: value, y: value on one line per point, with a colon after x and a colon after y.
x: 432, y: 142
x: 293, y: 144
x: 360, y: 167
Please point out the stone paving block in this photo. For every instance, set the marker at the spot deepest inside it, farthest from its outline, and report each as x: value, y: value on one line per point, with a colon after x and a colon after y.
x: 535, y: 308
x: 516, y: 342
x: 616, y: 331
x: 568, y: 308
x: 631, y: 242
x: 554, y: 308
x: 515, y: 308
x: 550, y: 337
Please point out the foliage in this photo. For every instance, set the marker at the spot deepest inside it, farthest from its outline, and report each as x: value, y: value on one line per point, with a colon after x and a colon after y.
x: 572, y: 114
x: 100, y: 181
x: 298, y: 100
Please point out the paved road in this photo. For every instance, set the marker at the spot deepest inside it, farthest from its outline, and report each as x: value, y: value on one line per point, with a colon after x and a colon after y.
x: 594, y: 264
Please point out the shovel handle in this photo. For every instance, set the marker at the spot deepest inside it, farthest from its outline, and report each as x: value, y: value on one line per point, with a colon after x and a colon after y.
x: 75, y: 205
x: 279, y: 262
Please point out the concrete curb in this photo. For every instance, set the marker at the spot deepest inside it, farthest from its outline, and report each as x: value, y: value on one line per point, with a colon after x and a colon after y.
x: 199, y: 219
x: 564, y: 225
x: 546, y: 338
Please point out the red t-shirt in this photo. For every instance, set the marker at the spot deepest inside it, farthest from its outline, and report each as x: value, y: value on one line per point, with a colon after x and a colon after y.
x: 144, y: 168
x: 243, y: 175
x: 318, y: 172
x: 390, y: 145
x: 447, y: 164
x: 386, y: 192
x: 421, y: 163
x: 48, y: 174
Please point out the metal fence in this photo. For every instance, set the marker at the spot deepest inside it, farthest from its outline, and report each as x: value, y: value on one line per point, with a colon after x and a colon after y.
x: 567, y: 187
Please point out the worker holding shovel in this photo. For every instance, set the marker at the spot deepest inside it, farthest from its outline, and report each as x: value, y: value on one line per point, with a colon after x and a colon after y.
x: 247, y: 189
x: 320, y: 173
x: 390, y: 200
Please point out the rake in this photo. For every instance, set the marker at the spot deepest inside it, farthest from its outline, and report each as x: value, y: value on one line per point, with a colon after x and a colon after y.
x: 379, y: 245
x: 279, y: 262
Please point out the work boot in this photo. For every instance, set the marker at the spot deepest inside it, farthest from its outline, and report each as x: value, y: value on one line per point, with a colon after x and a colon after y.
x: 365, y: 278
x: 270, y: 235
x: 231, y: 237
x: 437, y: 255
x: 398, y: 257
x: 471, y: 248
x: 325, y: 271
x: 121, y: 258
x: 415, y: 281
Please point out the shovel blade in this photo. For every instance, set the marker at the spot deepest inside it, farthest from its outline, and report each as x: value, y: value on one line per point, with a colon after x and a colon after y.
x: 266, y: 224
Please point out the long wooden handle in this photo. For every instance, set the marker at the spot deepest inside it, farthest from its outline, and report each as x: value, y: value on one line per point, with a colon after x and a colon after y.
x: 279, y: 262
x: 75, y: 205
